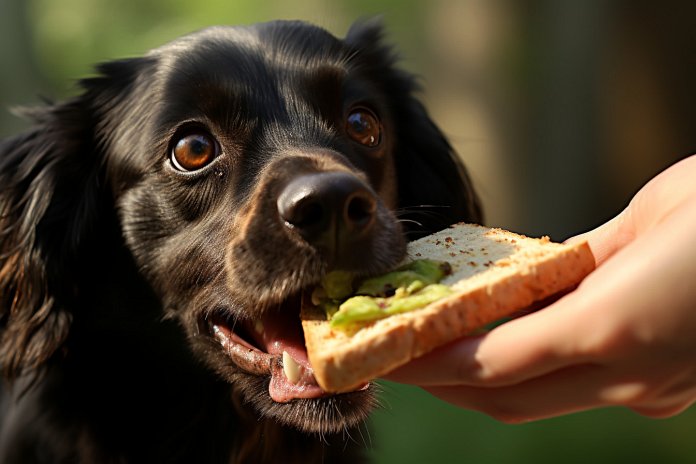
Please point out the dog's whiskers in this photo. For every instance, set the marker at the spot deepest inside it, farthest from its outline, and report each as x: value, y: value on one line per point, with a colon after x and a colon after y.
x: 418, y: 216
x: 423, y: 210
x: 412, y: 221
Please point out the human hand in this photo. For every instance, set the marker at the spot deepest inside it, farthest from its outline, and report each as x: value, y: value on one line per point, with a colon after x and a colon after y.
x: 626, y: 336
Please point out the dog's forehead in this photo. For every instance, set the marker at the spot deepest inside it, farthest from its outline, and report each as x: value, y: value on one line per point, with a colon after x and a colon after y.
x: 258, y: 69
x: 245, y: 55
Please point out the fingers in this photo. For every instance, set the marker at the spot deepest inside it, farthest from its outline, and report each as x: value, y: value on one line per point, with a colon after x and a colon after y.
x: 543, y: 397
x: 521, y: 349
x: 565, y: 391
x: 676, y: 395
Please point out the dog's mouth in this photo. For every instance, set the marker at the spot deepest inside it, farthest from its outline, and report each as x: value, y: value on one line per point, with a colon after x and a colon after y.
x: 271, y: 345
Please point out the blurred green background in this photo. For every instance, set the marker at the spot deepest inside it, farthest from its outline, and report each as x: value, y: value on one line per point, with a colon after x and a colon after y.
x: 561, y: 109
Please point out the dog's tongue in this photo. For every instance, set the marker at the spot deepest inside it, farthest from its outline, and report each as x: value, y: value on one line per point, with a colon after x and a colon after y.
x: 292, y: 376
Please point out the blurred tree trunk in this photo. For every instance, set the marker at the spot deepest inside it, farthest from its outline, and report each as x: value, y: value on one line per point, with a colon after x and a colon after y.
x: 610, y: 103
x: 19, y: 76
x: 563, y: 145
x: 651, y: 110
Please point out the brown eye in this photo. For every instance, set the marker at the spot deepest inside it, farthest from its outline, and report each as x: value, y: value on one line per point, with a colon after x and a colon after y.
x: 193, y: 152
x: 364, y: 127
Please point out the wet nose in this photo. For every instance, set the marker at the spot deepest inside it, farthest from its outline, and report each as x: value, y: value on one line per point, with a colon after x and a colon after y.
x: 330, y: 210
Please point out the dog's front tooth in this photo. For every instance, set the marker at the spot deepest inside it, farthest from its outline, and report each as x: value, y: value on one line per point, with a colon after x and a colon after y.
x: 291, y: 369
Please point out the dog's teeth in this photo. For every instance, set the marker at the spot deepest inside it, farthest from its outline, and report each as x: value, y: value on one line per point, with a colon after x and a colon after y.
x: 258, y: 327
x: 291, y: 368
x: 318, y: 294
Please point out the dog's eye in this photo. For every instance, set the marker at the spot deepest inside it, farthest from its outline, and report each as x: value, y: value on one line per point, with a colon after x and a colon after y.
x: 364, y: 127
x: 194, y: 151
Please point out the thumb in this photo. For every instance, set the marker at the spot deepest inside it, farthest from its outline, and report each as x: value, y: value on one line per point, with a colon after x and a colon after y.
x: 610, y: 237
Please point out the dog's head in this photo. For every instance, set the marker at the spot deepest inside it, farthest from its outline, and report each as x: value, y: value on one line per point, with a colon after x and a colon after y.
x: 241, y: 164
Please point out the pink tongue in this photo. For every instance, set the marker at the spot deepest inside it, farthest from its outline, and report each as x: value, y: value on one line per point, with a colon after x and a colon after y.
x: 282, y: 333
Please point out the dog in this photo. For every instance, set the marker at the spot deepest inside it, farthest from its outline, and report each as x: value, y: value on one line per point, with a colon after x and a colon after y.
x: 158, y: 229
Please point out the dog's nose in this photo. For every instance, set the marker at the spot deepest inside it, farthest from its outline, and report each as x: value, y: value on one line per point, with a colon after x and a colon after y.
x: 330, y: 210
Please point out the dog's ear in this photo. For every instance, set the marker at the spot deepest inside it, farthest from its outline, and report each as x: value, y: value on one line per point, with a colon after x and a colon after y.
x: 50, y: 189
x: 434, y: 187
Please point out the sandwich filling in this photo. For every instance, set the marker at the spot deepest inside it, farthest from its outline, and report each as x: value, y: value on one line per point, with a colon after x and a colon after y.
x: 351, y: 304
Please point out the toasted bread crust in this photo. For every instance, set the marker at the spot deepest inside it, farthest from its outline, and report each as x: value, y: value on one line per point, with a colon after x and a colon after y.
x: 343, y: 362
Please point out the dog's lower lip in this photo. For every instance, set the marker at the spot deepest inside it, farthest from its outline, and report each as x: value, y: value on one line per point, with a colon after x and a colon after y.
x: 246, y: 357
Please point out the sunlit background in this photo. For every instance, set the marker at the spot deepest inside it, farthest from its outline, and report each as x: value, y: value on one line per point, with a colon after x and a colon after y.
x: 561, y: 109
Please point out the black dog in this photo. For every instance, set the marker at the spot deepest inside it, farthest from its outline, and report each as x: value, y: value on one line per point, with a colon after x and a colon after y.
x: 157, y: 231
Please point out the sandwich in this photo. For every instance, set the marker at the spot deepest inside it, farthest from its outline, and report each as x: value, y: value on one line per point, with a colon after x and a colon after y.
x: 453, y: 283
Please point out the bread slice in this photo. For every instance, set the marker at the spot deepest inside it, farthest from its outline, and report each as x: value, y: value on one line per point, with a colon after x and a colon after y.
x: 494, y: 273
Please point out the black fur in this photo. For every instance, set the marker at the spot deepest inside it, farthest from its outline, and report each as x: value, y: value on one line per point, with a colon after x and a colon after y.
x: 112, y: 263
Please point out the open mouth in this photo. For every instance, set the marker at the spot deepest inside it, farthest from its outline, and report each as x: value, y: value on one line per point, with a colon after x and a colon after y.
x: 271, y: 345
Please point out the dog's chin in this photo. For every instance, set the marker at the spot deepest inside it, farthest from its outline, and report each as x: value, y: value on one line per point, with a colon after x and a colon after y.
x: 265, y: 361
x: 325, y: 415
